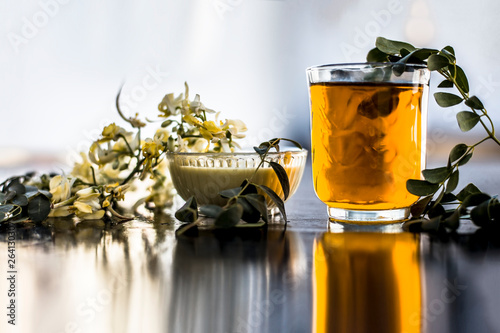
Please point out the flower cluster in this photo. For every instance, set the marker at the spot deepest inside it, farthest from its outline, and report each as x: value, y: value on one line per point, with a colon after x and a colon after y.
x: 119, y: 157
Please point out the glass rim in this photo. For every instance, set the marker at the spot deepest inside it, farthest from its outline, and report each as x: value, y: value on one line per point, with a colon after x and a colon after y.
x: 359, y: 64
x: 293, y: 150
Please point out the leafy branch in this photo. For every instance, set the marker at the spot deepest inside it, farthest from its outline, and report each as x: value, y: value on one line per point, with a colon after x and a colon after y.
x: 246, y: 202
x: 439, y: 183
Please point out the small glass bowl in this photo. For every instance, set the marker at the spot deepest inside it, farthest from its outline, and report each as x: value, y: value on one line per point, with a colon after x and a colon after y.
x: 204, y: 175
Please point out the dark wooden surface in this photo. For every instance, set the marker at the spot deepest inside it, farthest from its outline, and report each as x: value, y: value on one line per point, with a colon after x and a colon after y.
x: 137, y: 277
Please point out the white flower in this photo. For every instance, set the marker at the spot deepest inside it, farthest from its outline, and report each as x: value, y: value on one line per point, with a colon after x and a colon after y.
x: 235, y: 127
x: 60, y: 188
x: 87, y: 204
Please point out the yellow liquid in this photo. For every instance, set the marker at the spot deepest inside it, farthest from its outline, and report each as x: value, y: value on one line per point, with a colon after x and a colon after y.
x: 367, y: 141
x: 367, y: 282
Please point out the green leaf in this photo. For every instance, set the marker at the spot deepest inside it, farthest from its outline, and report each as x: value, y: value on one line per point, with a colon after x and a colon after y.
x: 282, y: 177
x: 452, y: 182
x: 432, y: 224
x: 276, y: 199
x: 467, y: 190
x: 6, y: 208
x: 475, y: 103
x: 229, y: 217
x: 448, y: 197
x: 419, y: 208
x: 167, y: 123
x: 251, y: 225
x: 453, y: 221
x: 295, y: 143
x: 457, y: 152
x: 392, y: 46
x: 437, y: 61
x: 436, y: 175
x: 467, y: 120
x: 250, y: 213
x: 449, y: 49
x: 259, y: 202
x: 375, y: 55
x: 436, y: 211
x: 229, y: 193
x: 17, y: 187
x: 188, y: 212
x: 486, y: 213
x: 260, y: 151
x: 2, y: 217
x: 445, y: 84
x: 421, y: 187
x: 465, y: 159
x: 446, y: 99
x: 250, y: 188
x: 461, y: 80
x: 2, y: 197
x: 38, y: 208
x: 210, y: 210
x: 20, y: 200
x: 474, y: 199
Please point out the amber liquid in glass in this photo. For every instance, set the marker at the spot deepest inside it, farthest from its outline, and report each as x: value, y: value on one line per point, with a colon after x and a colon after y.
x: 367, y: 282
x: 366, y: 143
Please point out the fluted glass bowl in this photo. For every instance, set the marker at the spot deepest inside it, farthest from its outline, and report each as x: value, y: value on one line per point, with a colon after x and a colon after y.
x: 204, y: 175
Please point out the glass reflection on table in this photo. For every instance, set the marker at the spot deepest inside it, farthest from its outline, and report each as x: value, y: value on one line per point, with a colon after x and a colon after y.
x: 367, y: 282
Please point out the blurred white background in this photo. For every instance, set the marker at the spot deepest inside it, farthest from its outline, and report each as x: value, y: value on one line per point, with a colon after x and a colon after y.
x: 63, y: 61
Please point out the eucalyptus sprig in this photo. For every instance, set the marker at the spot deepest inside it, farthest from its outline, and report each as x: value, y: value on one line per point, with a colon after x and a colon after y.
x: 246, y: 202
x: 440, y: 183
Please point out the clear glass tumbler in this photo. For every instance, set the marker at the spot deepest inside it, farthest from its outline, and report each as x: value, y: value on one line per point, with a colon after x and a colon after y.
x: 368, y: 130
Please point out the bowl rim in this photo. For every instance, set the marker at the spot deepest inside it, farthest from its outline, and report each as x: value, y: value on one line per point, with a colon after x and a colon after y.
x: 293, y: 150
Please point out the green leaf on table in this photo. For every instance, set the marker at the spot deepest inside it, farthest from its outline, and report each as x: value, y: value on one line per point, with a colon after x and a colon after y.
x: 445, y: 84
x: 436, y: 175
x: 282, y: 177
x: 20, y: 200
x: 250, y: 213
x: 421, y: 187
x: 251, y: 225
x: 474, y: 199
x: 467, y: 120
x: 419, y: 208
x: 17, y: 187
x: 452, y: 182
x: 392, y: 47
x: 259, y: 202
x: 210, y: 210
x: 467, y: 190
x: 229, y: 193
x: 437, y: 61
x: 276, y: 199
x: 229, y: 217
x: 446, y: 99
x: 474, y: 102
x: 486, y: 213
x: 38, y: 208
x: 453, y: 221
x: 448, y: 198
x: 188, y: 212
x: 457, y: 152
x: 436, y: 210
x: 432, y: 224
x: 250, y: 188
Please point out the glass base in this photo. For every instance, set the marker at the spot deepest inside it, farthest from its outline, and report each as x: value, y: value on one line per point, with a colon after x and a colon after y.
x: 368, y: 217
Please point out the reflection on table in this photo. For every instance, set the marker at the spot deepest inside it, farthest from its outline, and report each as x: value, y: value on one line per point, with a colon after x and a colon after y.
x: 367, y: 282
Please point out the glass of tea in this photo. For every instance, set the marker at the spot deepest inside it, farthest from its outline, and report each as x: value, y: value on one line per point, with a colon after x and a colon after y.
x: 368, y: 132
